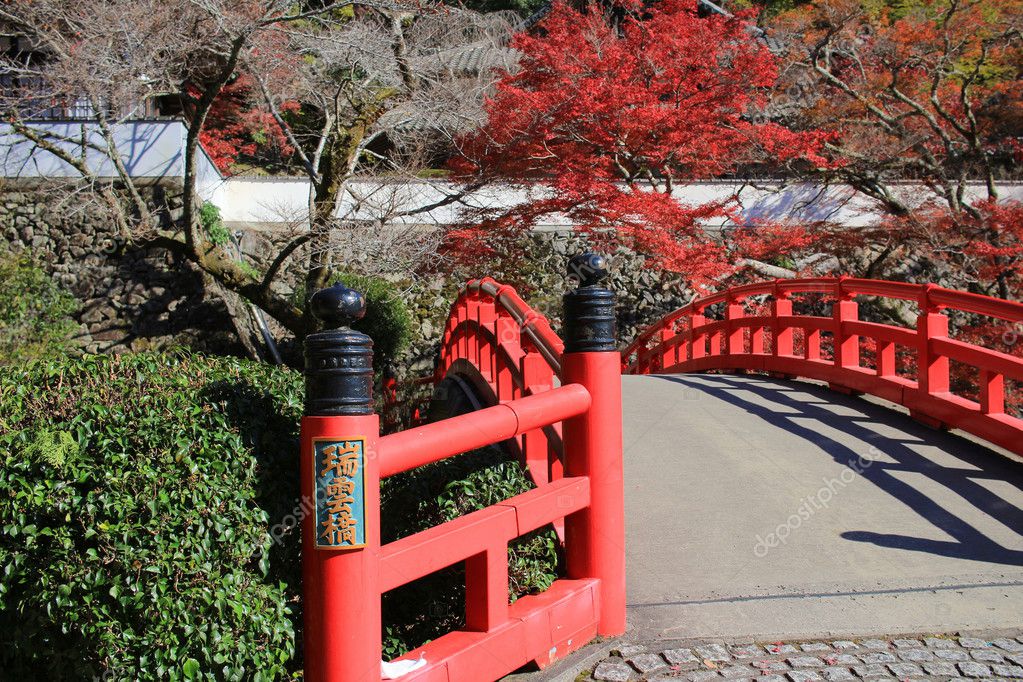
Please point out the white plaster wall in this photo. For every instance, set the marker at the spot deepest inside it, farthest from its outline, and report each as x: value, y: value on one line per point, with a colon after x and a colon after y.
x: 275, y: 200
x: 155, y: 149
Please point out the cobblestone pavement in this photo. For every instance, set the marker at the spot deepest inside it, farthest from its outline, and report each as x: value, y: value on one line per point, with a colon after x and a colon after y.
x: 943, y: 657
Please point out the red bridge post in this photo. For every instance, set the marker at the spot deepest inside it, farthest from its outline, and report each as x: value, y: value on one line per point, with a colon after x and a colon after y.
x: 340, y: 485
x: 595, y: 537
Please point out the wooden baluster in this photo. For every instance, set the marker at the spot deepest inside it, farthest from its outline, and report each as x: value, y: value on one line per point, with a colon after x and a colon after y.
x: 486, y: 589
x: 932, y: 370
x: 506, y: 331
x: 735, y: 341
x: 812, y: 344
x: 781, y: 306
x: 486, y: 313
x: 845, y: 309
x: 992, y: 392
x: 535, y: 377
x: 669, y: 356
x: 885, y: 359
x: 697, y: 338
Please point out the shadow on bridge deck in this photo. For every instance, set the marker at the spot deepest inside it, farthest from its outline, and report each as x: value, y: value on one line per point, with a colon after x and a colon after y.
x: 765, y: 508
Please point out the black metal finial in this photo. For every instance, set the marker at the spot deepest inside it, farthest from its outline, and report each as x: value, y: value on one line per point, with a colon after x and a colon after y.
x: 588, y: 268
x: 590, y: 324
x: 339, y: 360
x: 337, y: 306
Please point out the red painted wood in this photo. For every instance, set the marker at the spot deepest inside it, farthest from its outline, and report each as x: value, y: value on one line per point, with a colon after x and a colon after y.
x: 595, y: 536
x: 928, y: 399
x: 434, y: 442
x: 341, y: 587
x: 545, y: 626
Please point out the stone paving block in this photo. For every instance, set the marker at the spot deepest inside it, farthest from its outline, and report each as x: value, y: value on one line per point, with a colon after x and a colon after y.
x: 1007, y: 670
x: 837, y: 674
x: 901, y: 670
x: 1010, y: 645
x: 815, y: 646
x: 986, y: 655
x: 704, y: 675
x: 772, y: 666
x: 803, y: 675
x: 939, y: 643
x: 612, y: 671
x: 879, y: 657
x: 941, y: 668
x: 771, y: 678
x: 747, y: 651
x: 916, y: 655
x: 845, y: 644
x: 952, y: 655
x: 874, y: 644
x: 628, y: 650
x: 805, y: 662
x: 781, y: 649
x: 1020, y: 639
x: 736, y: 672
x: 906, y: 643
x: 1016, y: 658
x: 972, y: 669
x: 679, y: 656
x: 712, y: 652
x: 871, y: 671
x: 973, y: 643
x: 841, y: 659
x: 647, y: 663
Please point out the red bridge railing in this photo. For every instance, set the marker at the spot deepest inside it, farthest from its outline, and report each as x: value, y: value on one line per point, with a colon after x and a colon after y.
x: 774, y: 339
x: 561, y: 403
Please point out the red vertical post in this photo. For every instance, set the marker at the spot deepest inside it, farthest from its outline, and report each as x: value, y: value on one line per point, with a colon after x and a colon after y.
x: 669, y: 356
x: 885, y: 359
x: 735, y: 341
x: 595, y: 537
x: 781, y: 307
x: 992, y: 392
x: 340, y: 485
x: 845, y: 309
x: 697, y: 338
x: 932, y: 368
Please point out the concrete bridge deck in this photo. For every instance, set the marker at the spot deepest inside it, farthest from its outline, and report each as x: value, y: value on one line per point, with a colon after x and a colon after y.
x: 766, y: 508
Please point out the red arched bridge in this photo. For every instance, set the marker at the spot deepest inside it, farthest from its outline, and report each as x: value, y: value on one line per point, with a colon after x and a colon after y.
x: 786, y: 469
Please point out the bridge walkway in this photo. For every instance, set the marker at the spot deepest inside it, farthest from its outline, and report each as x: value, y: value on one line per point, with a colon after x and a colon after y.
x: 760, y: 508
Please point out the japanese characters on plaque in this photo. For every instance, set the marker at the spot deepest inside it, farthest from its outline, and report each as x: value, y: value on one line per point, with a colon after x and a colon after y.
x: 340, y: 493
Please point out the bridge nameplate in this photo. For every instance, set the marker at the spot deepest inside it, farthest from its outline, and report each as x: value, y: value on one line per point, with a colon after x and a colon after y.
x: 340, y: 492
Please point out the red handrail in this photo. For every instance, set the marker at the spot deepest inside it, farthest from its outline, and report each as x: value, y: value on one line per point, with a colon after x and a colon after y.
x: 685, y: 341
x: 433, y: 442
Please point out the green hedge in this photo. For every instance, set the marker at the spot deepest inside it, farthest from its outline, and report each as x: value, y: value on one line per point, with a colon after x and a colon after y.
x: 147, y: 504
x: 136, y: 493
x: 35, y: 313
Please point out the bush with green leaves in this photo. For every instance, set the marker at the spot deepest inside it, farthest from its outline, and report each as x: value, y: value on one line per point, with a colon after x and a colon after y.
x: 35, y: 312
x: 136, y: 494
x: 387, y: 321
x: 141, y: 497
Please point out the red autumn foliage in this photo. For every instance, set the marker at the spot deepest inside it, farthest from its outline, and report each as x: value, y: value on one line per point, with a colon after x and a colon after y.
x: 607, y: 120
x: 239, y: 127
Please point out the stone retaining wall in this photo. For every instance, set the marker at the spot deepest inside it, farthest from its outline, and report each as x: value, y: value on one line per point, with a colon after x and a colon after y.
x: 129, y: 299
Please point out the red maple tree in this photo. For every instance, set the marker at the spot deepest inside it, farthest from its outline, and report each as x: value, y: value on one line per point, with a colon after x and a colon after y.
x: 607, y: 117
x: 239, y: 127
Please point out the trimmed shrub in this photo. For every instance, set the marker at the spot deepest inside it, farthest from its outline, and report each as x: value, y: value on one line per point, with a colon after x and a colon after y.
x: 35, y: 313
x: 387, y: 321
x: 149, y: 507
x: 135, y: 494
